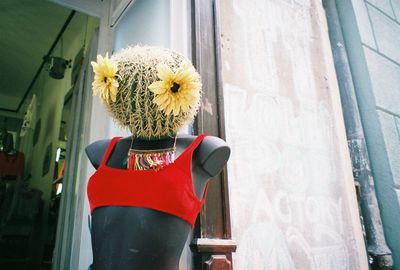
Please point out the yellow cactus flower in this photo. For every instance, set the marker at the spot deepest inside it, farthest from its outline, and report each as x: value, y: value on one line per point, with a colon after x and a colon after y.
x: 176, y: 91
x: 105, y: 80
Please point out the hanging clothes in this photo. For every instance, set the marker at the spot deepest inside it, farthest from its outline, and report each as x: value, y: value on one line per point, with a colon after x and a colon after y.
x: 12, y: 165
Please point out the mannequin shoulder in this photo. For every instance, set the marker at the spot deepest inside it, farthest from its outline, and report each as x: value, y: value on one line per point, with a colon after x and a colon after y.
x: 213, y: 154
x: 96, y: 150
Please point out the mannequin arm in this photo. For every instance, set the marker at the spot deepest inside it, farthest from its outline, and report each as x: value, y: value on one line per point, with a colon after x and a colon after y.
x: 95, y: 152
x: 213, y: 155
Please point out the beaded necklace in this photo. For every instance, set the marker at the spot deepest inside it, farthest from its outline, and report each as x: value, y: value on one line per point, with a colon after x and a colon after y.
x: 154, y: 159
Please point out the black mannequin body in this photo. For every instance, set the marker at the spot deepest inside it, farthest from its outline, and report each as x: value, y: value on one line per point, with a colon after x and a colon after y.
x: 142, y: 238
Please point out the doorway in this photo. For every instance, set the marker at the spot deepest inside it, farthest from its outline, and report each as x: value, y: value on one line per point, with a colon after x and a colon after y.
x: 42, y: 48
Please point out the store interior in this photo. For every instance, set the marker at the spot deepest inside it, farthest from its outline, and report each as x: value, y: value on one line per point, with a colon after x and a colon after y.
x: 42, y: 48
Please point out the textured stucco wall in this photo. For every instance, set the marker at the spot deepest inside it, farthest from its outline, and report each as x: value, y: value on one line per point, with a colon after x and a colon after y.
x: 372, y: 34
x: 292, y: 194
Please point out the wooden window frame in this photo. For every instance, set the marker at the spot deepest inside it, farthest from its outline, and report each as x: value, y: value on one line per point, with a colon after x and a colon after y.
x: 212, y: 245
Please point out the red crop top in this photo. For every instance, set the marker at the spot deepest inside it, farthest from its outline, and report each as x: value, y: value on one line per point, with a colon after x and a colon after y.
x: 168, y: 190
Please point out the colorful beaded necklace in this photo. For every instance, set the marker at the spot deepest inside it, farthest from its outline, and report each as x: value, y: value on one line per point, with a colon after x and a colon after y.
x: 154, y: 159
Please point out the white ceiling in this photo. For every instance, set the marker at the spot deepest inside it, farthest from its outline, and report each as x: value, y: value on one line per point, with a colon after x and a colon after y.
x: 27, y: 30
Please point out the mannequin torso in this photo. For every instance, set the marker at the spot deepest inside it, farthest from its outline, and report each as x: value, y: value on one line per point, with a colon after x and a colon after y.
x: 142, y: 238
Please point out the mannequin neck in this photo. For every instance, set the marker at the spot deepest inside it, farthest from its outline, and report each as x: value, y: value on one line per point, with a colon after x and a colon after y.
x: 144, y: 144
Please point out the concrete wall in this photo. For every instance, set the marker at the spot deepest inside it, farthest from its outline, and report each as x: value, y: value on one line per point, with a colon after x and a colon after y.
x: 372, y: 34
x: 292, y: 196
x: 147, y: 23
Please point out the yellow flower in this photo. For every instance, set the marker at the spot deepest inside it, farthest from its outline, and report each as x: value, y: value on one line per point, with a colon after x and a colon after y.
x: 105, y: 83
x: 177, y: 91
